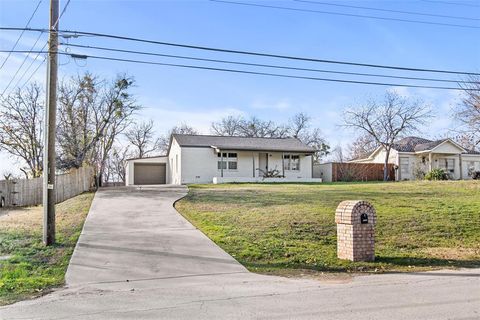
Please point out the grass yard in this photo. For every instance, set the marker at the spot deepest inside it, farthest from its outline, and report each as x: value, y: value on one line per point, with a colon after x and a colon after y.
x: 27, y: 267
x: 290, y: 229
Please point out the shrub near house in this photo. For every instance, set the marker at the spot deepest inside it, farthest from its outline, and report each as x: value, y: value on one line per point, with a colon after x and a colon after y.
x: 436, y: 174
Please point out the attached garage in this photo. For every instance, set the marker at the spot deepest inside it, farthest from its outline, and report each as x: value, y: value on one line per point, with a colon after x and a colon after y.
x: 146, y: 171
x: 149, y: 173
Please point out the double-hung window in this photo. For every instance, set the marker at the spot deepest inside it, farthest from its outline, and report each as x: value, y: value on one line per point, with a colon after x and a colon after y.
x: 291, y: 162
x: 227, y: 161
x: 447, y: 164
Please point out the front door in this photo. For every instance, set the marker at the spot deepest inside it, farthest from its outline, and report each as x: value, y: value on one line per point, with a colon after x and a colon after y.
x: 263, y: 163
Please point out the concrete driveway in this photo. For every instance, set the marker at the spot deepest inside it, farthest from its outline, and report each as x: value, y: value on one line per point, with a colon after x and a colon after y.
x: 137, y: 258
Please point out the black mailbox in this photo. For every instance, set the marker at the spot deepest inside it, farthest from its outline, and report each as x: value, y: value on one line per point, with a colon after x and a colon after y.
x: 364, y: 218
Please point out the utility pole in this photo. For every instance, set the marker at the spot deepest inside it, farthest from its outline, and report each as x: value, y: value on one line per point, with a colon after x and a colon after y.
x: 49, y: 187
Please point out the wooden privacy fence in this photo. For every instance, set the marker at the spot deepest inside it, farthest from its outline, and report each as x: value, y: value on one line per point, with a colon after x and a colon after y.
x: 361, y: 172
x: 29, y: 192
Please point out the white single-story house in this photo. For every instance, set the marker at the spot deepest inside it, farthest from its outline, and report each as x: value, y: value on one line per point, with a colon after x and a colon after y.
x: 220, y: 159
x: 413, y: 155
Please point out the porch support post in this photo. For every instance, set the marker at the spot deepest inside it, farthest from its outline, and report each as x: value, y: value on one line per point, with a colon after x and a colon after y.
x: 430, y: 162
x: 253, y: 164
x: 221, y: 163
x: 283, y: 164
x: 460, y: 166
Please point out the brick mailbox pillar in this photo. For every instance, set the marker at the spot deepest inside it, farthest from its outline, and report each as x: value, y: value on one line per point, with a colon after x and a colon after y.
x: 355, y: 230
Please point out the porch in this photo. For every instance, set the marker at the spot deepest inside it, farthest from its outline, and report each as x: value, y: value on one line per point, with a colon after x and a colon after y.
x: 255, y: 166
x: 411, y: 166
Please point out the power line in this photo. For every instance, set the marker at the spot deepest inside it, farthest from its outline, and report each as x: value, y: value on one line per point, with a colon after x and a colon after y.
x: 21, y: 34
x: 29, y: 66
x: 21, y: 65
x: 22, y: 51
x: 74, y: 33
x: 258, y: 64
x: 82, y: 56
x: 33, y: 73
x: 387, y: 10
x: 346, y: 14
x: 453, y: 3
x: 269, y: 55
x: 36, y: 57
x: 61, y: 14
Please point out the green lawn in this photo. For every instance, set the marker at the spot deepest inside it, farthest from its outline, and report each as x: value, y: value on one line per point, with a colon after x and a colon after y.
x: 290, y: 228
x: 27, y: 267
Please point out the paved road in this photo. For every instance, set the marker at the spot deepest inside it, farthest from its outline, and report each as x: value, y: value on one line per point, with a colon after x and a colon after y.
x: 137, y: 258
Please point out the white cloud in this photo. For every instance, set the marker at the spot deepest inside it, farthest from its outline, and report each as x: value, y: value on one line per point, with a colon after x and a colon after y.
x: 170, y: 115
x: 274, y: 105
x: 402, y: 91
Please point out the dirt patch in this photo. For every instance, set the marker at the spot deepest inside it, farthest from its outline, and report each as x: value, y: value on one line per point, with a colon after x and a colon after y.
x: 452, y: 253
x: 28, y: 218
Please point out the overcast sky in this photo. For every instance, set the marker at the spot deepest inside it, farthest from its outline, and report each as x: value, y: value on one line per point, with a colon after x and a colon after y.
x: 171, y: 96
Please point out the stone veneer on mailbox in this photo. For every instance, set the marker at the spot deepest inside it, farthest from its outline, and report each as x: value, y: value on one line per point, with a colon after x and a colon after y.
x: 355, y: 230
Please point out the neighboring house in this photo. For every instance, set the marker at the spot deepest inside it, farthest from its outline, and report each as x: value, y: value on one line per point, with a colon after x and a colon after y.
x: 413, y: 156
x: 217, y: 159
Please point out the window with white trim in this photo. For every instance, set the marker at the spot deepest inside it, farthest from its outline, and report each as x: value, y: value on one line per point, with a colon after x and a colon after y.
x: 404, y: 166
x: 291, y: 162
x: 447, y: 164
x: 474, y: 165
x: 229, y: 161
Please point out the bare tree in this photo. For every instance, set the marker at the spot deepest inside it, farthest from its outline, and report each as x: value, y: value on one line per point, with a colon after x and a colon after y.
x: 337, y: 154
x: 229, y: 126
x: 21, y: 122
x: 7, y: 175
x: 468, y: 111
x: 299, y: 124
x: 115, y: 170
x: 467, y: 140
x: 387, y: 120
x: 314, y: 138
x: 180, y: 129
x: 298, y: 127
x: 92, y: 114
x: 115, y: 111
x: 255, y: 127
x: 142, y: 137
x: 78, y: 127
x: 252, y: 127
x: 362, y: 147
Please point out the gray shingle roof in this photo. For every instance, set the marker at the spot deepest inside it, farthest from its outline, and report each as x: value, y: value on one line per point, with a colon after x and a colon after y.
x: 243, y: 143
x: 416, y: 144
x: 428, y: 145
x: 408, y: 144
x: 472, y: 152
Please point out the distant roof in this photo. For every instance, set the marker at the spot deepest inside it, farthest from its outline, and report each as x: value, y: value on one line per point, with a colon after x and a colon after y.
x: 417, y: 144
x: 243, y: 143
x: 408, y: 144
x: 472, y: 152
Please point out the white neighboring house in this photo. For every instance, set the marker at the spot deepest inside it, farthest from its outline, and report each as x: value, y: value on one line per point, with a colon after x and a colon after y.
x: 412, y: 154
x: 220, y: 159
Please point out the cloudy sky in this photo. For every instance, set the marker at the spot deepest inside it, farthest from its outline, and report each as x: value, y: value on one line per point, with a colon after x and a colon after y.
x: 171, y: 96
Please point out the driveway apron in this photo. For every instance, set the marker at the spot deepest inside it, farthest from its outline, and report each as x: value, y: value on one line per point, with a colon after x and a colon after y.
x: 135, y: 233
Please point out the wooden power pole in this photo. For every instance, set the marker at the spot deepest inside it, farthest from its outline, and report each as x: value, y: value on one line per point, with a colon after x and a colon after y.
x: 49, y: 187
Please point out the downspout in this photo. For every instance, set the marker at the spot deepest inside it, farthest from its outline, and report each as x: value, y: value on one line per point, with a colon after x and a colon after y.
x: 283, y: 164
